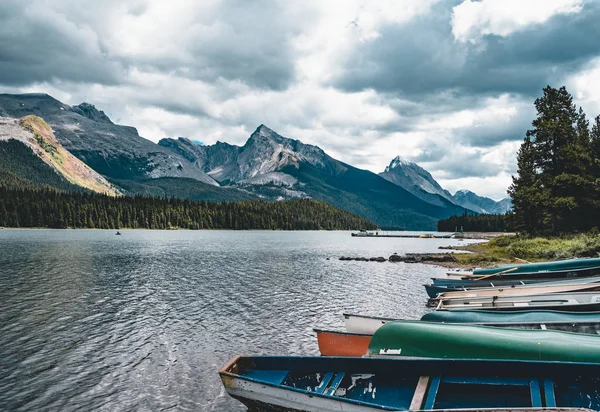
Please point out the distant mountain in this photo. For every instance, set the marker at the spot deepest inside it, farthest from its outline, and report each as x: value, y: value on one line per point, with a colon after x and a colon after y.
x: 420, y: 183
x: 32, y: 132
x: 114, y: 151
x: 268, y: 166
x: 481, y: 204
x: 416, y: 180
x: 273, y: 166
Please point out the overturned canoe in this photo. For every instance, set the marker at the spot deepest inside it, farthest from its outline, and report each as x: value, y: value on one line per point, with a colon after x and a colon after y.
x: 441, y: 340
x: 548, y: 268
x: 321, y: 384
x: 333, y: 343
x: 524, y: 316
x: 589, y: 323
x: 364, y: 324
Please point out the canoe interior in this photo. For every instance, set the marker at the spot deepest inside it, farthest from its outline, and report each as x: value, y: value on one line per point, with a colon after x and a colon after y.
x: 389, y: 384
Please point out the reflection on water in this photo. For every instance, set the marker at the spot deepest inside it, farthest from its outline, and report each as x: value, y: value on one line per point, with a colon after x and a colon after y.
x: 144, y: 321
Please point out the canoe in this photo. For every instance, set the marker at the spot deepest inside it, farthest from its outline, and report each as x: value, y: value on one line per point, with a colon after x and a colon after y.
x: 333, y: 343
x: 580, y: 301
x: 363, y: 324
x: 446, y: 285
x: 489, y: 282
x: 322, y: 384
x: 589, y: 323
x: 461, y: 341
x: 571, y: 285
x: 548, y: 268
x: 524, y: 316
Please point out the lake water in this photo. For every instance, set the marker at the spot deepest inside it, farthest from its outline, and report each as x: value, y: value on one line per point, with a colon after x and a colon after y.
x: 143, y: 321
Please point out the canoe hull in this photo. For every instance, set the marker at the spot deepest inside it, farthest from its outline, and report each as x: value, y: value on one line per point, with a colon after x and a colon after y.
x: 587, y: 324
x: 523, y: 316
x: 262, y: 398
x: 369, y: 384
x: 461, y: 341
x: 564, y: 301
x: 527, y: 290
x: 333, y: 343
x: 551, y: 268
x: 366, y: 325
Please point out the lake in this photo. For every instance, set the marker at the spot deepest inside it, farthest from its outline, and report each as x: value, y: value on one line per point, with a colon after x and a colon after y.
x: 144, y: 321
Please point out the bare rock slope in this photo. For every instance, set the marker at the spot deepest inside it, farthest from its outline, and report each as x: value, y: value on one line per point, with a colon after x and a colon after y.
x: 33, y: 132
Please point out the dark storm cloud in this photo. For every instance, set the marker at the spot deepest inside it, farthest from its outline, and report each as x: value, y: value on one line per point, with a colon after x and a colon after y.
x: 253, y: 46
x: 422, y: 57
x: 500, y: 130
x: 60, y: 43
x: 37, y: 46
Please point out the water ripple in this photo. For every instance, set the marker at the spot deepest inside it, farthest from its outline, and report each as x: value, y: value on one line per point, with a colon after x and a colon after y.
x: 90, y: 321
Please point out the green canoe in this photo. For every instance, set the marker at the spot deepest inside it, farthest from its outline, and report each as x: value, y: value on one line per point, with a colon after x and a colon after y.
x: 524, y: 316
x: 440, y: 340
x: 555, y: 266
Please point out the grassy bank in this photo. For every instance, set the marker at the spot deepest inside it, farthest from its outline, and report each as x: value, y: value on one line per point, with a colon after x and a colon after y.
x: 505, y: 249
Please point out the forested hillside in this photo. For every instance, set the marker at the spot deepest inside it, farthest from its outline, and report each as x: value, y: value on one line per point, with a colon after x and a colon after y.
x: 50, y: 208
x: 21, y: 168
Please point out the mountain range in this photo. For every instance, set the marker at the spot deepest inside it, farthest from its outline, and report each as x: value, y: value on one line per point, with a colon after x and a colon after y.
x: 106, y: 157
x: 420, y: 183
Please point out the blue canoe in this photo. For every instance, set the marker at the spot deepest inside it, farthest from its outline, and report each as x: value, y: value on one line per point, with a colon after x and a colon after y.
x: 453, y: 286
x: 322, y: 384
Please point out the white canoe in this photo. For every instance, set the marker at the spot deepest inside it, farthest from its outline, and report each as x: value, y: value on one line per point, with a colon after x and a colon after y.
x: 528, y: 301
x: 581, y: 285
x: 365, y: 325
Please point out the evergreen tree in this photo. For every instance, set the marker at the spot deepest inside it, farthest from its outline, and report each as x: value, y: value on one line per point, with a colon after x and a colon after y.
x: 552, y: 190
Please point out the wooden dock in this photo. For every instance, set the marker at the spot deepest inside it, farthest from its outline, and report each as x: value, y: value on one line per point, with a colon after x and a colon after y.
x: 406, y: 235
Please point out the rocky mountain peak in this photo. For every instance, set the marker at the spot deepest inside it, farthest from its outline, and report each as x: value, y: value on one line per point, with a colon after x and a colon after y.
x: 89, y: 110
x: 398, y: 161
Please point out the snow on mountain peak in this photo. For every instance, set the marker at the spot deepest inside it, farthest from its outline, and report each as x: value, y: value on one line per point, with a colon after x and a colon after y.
x: 397, y: 162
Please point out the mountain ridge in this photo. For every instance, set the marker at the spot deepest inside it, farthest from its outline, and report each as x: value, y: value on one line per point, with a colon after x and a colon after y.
x: 421, y: 183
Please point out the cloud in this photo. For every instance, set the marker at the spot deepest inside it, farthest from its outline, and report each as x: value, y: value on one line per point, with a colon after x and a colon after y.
x: 473, y: 20
x: 421, y: 57
x: 448, y: 84
x: 39, y: 44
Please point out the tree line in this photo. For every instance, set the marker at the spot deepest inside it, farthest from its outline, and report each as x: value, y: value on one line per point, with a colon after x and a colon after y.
x: 557, y: 186
x: 50, y: 208
x: 478, y: 223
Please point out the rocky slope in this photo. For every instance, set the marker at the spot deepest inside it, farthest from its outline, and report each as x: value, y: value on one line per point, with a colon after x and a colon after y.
x: 420, y: 183
x: 482, y: 204
x: 416, y: 180
x: 112, y: 150
x: 277, y: 167
x: 33, y: 132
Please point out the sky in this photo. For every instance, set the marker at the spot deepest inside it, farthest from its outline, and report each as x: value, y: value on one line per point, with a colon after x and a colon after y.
x: 447, y: 84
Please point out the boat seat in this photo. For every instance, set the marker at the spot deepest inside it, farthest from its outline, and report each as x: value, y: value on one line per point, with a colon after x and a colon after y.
x: 324, y: 383
x: 335, y: 383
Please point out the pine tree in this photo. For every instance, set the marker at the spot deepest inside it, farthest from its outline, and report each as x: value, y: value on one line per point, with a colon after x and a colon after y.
x: 554, y: 173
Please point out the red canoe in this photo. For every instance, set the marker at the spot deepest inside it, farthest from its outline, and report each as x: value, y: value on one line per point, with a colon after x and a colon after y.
x: 333, y: 343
